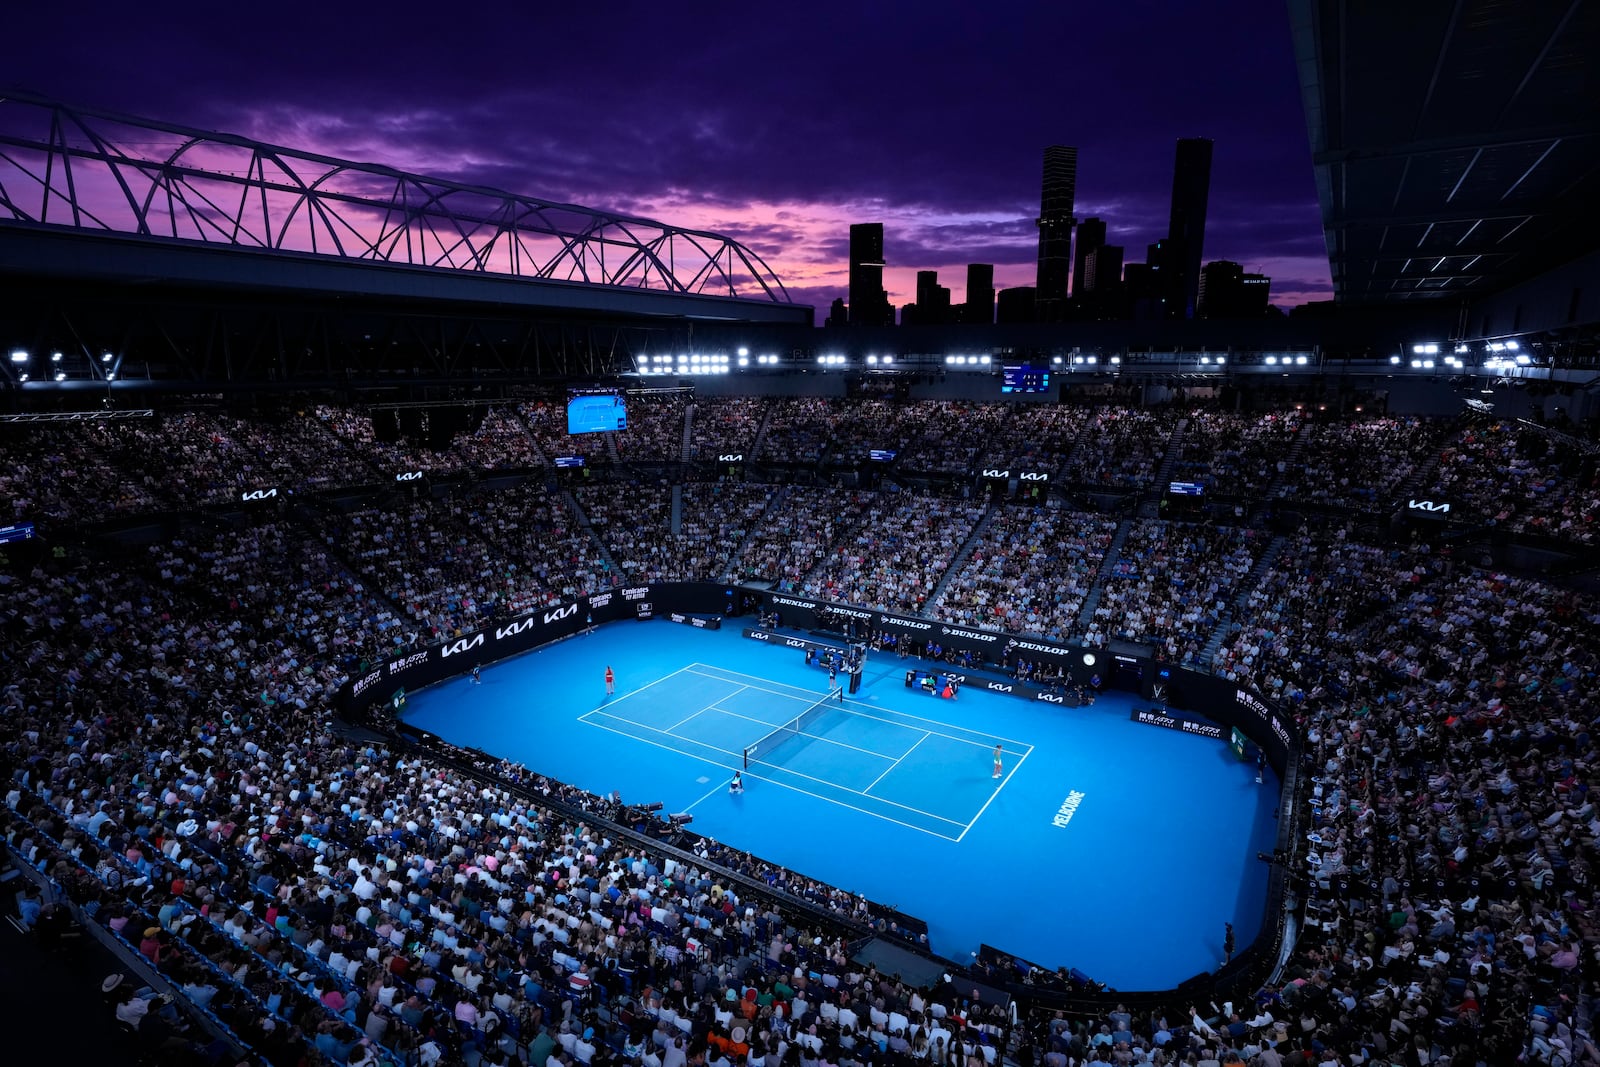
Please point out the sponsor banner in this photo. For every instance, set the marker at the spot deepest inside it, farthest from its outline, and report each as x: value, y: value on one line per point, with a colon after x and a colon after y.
x: 1020, y: 647
x: 791, y: 602
x: 643, y: 609
x: 599, y: 600
x: 1175, y: 722
x: 1437, y: 510
x: 970, y: 635
x: 996, y: 474
x: 405, y: 663
x: 699, y: 623
x: 1033, y: 476
x: 256, y: 496
x: 1266, y: 715
x: 408, y: 476
x: 635, y: 592
x: 362, y: 684
x: 731, y: 457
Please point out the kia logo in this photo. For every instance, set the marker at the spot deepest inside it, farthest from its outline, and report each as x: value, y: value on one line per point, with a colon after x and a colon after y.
x: 512, y: 629
x: 990, y: 472
x: 999, y: 687
x: 731, y: 457
x: 1428, y: 505
x: 561, y: 613
x: 408, y: 476
x: 1027, y: 477
x: 463, y: 645
x: 259, y: 494
x: 758, y: 635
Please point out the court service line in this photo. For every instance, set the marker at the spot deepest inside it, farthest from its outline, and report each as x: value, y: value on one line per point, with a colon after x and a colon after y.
x: 802, y: 733
x: 709, y: 707
x: 1000, y: 788
x: 896, y: 763
x: 781, y: 785
x: 786, y: 770
x: 642, y: 688
x: 810, y: 696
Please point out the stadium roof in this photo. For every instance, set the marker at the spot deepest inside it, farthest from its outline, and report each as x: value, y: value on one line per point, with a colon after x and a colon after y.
x: 1457, y: 146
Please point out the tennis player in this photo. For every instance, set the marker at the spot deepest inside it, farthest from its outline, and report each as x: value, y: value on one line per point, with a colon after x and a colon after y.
x: 737, y: 785
x: 997, y: 754
x: 611, y: 681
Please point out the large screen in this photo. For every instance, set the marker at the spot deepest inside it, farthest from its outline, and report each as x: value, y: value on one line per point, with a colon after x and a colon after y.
x: 595, y: 412
x: 1025, y: 379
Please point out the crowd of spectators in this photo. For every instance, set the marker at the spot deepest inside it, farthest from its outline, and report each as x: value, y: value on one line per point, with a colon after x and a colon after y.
x: 1170, y: 585
x: 798, y: 430
x: 893, y: 561
x: 1235, y: 454
x: 655, y: 428
x: 635, y: 523
x: 796, y: 536
x: 165, y: 744
x: 1519, y: 479
x: 54, y: 476
x: 1121, y: 447
x: 1037, y: 438
x: 1363, y: 463
x: 725, y: 425
x: 954, y: 434
x: 1029, y: 572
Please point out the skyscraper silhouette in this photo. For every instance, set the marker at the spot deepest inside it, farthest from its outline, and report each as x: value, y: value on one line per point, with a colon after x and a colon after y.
x: 869, y: 304
x: 979, y: 307
x: 1055, y: 224
x: 1186, y: 229
x: 1091, y: 235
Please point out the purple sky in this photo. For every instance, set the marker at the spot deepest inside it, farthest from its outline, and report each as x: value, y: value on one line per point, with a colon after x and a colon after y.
x: 778, y: 129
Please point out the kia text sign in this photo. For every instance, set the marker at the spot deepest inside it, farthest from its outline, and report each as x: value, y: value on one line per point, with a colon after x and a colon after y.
x: 1428, y: 509
x: 255, y: 496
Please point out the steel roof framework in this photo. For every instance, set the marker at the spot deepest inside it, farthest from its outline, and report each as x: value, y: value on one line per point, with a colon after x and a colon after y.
x: 99, y: 171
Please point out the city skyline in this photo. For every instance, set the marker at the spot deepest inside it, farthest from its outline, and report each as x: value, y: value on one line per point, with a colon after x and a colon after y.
x: 916, y: 118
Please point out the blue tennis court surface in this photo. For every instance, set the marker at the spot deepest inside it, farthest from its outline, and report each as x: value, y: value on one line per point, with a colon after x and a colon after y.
x: 1112, y: 847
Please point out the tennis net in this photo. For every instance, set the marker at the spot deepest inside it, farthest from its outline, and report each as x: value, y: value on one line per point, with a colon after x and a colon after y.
x: 762, y: 750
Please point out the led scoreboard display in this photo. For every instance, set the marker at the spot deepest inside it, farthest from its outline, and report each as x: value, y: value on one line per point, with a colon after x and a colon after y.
x: 1025, y: 379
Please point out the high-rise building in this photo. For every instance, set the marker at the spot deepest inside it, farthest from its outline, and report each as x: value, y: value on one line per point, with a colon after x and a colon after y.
x: 1102, y: 270
x: 1220, y: 285
x: 1055, y: 224
x: 869, y: 304
x: 838, y: 314
x: 1227, y: 292
x: 1091, y: 235
x: 979, y: 307
x: 1014, y: 305
x: 1254, y: 293
x: 933, y: 302
x: 1186, y: 227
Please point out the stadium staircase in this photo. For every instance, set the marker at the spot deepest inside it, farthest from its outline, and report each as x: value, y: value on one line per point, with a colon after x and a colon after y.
x: 1227, y: 625
x: 611, y: 448
x: 1113, y: 553
x: 686, y: 450
x: 1291, y: 460
x: 584, y: 523
x: 761, y: 434
x: 963, y: 554
x: 1150, y: 506
x: 775, y: 504
x: 534, y: 441
x: 677, y: 510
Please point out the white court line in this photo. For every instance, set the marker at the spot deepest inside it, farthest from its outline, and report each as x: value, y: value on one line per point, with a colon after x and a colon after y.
x: 709, y: 793
x: 896, y: 763
x: 996, y: 793
x: 786, y: 770
x: 642, y: 688
x: 781, y: 785
x: 875, y: 718
x: 802, y: 733
x: 709, y: 707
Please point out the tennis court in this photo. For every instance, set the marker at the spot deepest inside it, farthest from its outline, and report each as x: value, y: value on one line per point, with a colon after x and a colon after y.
x: 1106, y: 845
x: 889, y: 764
